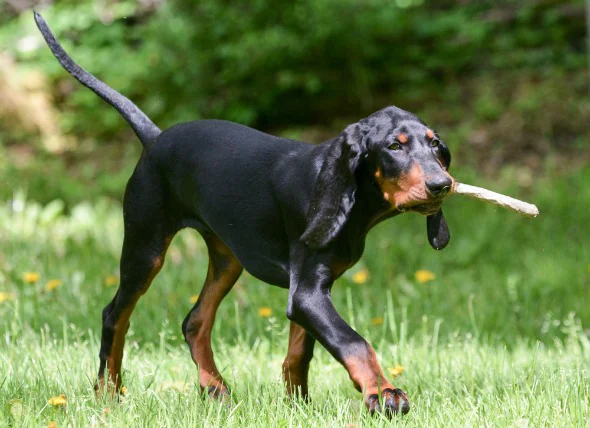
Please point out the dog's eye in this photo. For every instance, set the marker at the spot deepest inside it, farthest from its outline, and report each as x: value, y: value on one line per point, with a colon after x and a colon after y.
x: 435, y: 143
x: 395, y: 146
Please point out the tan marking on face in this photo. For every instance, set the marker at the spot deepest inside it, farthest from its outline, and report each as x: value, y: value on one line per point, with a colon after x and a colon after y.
x: 409, y: 189
x: 378, y: 173
x: 430, y: 134
x: 402, y: 138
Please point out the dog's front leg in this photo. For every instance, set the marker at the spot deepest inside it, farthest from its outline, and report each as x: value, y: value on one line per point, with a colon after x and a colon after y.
x: 310, y: 306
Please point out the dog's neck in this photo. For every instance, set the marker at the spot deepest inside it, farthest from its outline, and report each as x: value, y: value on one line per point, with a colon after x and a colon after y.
x: 370, y: 207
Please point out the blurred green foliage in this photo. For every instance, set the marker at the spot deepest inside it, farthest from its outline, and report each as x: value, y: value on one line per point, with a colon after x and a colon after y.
x: 285, y: 63
x: 502, y: 81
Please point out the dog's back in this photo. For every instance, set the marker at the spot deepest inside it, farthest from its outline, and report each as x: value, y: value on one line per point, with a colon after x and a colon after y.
x: 229, y: 173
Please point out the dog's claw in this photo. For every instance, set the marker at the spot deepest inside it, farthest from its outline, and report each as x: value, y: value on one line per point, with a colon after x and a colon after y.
x: 221, y: 393
x: 394, y: 401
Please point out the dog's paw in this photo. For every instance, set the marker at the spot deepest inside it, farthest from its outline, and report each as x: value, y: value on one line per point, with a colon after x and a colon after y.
x: 392, y: 401
x: 109, y: 390
x: 219, y: 392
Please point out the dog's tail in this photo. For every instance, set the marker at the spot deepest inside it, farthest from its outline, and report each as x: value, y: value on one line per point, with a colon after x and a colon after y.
x: 145, y: 129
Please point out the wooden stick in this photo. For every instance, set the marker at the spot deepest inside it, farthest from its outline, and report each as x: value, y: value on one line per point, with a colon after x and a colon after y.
x: 521, y: 207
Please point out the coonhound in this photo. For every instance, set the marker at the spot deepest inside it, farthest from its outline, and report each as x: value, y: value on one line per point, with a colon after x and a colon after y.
x: 294, y: 215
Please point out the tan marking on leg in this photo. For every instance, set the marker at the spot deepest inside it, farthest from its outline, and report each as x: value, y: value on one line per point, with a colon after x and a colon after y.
x: 366, y: 374
x: 115, y: 357
x: 296, y: 364
x: 219, y: 281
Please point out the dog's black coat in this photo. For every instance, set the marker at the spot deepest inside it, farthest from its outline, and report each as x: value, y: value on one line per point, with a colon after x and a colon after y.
x: 292, y: 214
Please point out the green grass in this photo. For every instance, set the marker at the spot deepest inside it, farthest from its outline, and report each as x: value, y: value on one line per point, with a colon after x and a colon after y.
x: 462, y: 382
x: 496, y: 339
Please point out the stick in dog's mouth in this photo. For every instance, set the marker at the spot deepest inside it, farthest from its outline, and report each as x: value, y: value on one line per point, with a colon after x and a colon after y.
x: 521, y: 207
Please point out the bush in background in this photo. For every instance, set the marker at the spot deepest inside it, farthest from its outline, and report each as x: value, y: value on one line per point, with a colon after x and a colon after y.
x: 501, y: 81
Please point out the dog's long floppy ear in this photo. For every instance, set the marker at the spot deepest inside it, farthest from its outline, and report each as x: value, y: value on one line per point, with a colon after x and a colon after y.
x: 436, y: 225
x: 334, y: 191
x: 438, y: 230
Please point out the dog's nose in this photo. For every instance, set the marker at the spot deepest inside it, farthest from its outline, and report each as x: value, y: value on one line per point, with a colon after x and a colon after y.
x: 439, y: 186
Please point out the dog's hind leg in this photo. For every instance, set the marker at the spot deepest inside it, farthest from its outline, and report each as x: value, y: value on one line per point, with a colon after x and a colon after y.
x: 224, y: 271
x: 296, y: 364
x: 148, y: 232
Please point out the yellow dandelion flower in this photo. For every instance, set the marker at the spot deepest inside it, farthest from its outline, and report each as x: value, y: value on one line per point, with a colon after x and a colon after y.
x: 59, y: 400
x: 6, y: 297
x: 194, y: 298
x: 52, y: 284
x: 395, y: 371
x: 423, y: 276
x: 377, y: 321
x: 123, y: 390
x: 52, y: 424
x: 30, y: 277
x: 361, y: 276
x: 111, y: 280
x: 264, y: 312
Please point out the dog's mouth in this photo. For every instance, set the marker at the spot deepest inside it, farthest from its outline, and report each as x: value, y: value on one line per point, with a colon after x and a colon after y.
x: 422, y: 203
x: 425, y: 208
x: 418, y: 199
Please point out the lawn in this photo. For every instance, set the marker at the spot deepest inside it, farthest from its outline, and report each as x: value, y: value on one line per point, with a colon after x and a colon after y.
x: 488, y: 332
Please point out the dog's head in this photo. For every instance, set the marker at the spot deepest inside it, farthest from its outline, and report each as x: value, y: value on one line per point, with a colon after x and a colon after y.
x: 407, y: 162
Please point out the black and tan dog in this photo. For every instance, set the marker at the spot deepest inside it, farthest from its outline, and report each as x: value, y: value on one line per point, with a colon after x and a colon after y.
x: 292, y: 214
